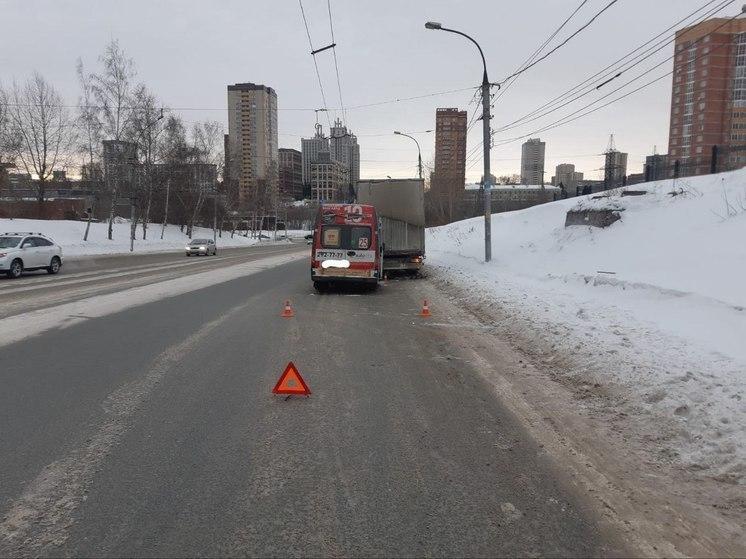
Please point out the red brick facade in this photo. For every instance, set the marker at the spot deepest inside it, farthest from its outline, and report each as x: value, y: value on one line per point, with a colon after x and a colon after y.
x: 708, y: 102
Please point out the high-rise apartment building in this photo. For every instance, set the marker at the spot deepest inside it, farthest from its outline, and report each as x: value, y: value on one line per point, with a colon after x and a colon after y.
x: 708, y: 102
x: 252, y: 143
x: 532, y: 161
x: 565, y: 176
x: 310, y: 150
x: 290, y: 174
x: 345, y: 149
x: 656, y: 167
x: 330, y: 179
x: 615, y: 169
x: 448, y: 179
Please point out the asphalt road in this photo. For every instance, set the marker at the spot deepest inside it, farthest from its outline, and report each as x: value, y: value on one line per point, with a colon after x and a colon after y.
x: 153, y: 432
x: 80, y: 278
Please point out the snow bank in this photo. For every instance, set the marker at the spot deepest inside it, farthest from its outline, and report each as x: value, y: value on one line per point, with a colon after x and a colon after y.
x: 655, y: 303
x: 69, y: 235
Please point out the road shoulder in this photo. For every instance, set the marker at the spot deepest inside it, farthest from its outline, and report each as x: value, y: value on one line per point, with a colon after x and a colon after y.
x: 661, y: 508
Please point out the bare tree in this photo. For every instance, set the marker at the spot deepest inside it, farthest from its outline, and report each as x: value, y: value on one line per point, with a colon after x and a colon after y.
x: 5, y: 151
x: 112, y: 91
x: 172, y: 150
x: 89, y: 132
x: 41, y: 129
x: 208, y: 143
x: 145, y: 131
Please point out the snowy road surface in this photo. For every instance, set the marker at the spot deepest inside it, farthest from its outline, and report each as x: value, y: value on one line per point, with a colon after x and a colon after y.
x: 150, y: 429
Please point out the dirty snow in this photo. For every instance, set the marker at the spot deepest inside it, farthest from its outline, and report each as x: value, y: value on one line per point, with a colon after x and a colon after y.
x: 69, y: 235
x: 654, y: 305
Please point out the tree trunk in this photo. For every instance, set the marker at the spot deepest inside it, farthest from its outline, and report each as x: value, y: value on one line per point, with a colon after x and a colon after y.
x: 165, y: 213
x: 146, y: 217
x: 40, y: 198
x: 88, y: 223
x: 133, y: 226
x: 114, y: 193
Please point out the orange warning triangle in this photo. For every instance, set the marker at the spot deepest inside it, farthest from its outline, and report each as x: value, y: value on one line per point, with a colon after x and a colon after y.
x: 291, y: 382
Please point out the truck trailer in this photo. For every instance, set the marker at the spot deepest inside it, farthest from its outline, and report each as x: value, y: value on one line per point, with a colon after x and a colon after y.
x: 400, y: 205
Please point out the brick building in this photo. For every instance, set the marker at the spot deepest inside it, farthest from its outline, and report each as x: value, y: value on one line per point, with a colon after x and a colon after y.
x: 708, y: 102
x: 291, y: 174
x: 449, y: 176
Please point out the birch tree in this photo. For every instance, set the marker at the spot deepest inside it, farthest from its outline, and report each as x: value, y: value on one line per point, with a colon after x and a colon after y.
x: 40, y: 130
x: 147, y: 127
x: 112, y: 90
x: 89, y: 132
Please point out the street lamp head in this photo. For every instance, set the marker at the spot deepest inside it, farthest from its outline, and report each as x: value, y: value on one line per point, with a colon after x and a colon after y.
x: 433, y: 25
x: 397, y: 132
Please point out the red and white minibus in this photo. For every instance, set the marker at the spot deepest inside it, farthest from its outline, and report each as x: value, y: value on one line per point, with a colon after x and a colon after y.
x: 346, y: 246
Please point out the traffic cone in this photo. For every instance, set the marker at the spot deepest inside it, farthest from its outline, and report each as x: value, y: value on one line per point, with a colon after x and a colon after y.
x: 287, y: 312
x: 425, y: 312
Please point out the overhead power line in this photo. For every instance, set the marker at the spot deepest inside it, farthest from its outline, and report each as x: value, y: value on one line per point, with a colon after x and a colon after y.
x: 315, y: 63
x: 613, y: 71
x: 336, y: 65
x: 579, y: 114
x: 562, y: 44
x: 569, y: 118
x: 538, y: 51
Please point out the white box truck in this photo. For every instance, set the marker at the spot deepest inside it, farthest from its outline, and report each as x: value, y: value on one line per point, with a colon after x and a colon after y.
x: 400, y: 205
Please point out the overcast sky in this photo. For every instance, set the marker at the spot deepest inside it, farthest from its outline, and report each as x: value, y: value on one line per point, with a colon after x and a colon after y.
x: 187, y: 51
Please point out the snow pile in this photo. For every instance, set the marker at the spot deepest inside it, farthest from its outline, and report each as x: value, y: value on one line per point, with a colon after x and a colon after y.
x: 69, y: 235
x: 654, y: 304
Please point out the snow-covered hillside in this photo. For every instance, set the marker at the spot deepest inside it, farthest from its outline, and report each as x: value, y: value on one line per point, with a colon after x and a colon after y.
x: 655, y: 303
x: 69, y: 235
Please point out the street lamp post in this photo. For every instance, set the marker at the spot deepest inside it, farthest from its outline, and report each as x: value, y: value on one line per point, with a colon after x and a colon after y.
x: 419, y: 151
x: 486, y: 140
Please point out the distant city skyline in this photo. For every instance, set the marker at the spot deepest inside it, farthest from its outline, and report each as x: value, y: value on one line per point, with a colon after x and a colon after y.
x: 380, y: 57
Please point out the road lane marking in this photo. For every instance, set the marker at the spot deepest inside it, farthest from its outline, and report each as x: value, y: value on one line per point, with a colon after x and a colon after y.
x: 117, y: 272
x: 21, y: 326
x: 42, y: 516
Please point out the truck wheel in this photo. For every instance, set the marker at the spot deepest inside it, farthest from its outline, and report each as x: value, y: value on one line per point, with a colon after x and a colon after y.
x: 319, y: 286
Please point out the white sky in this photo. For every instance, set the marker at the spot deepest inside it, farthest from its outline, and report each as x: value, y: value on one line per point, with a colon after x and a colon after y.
x: 187, y: 51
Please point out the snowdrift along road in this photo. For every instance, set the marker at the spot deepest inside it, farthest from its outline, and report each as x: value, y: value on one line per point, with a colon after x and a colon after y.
x: 655, y: 304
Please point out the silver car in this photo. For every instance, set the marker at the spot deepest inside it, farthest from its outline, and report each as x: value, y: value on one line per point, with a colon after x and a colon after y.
x: 21, y: 252
x: 201, y: 247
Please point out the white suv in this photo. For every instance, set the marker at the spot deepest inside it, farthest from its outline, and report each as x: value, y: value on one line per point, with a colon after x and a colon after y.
x: 28, y: 251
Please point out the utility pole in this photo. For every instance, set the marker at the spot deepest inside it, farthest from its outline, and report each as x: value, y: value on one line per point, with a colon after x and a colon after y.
x: 487, y: 144
x: 486, y: 141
